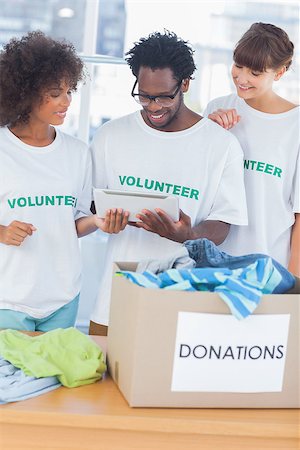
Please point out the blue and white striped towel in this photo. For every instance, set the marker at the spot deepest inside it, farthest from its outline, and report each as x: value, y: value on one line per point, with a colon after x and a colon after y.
x: 241, y: 288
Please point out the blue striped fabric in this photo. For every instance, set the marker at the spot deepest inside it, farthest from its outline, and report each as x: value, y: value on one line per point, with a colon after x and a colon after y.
x: 241, y: 289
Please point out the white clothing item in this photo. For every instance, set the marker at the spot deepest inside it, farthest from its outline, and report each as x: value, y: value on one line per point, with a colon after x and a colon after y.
x: 272, y: 175
x: 179, y: 260
x: 49, y: 187
x: 202, y: 165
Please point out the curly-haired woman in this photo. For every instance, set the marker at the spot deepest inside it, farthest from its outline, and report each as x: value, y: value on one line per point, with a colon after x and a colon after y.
x: 45, y: 190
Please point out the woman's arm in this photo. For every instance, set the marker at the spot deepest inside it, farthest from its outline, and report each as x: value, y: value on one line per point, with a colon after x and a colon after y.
x: 15, y: 232
x: 114, y: 222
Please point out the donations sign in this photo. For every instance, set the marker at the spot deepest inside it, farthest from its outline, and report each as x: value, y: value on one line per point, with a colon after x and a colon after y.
x: 219, y: 353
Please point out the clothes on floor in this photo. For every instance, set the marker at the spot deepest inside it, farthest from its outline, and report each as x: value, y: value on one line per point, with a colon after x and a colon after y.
x: 241, y: 289
x: 129, y: 155
x: 68, y: 354
x: 271, y: 145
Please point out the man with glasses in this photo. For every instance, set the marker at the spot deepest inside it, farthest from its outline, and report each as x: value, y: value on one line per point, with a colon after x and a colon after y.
x: 165, y: 148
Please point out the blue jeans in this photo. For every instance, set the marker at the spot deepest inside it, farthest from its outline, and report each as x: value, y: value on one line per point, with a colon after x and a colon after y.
x: 207, y: 254
x: 63, y: 317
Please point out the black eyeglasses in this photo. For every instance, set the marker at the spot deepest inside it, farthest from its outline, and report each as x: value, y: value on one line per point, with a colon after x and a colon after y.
x: 162, y: 100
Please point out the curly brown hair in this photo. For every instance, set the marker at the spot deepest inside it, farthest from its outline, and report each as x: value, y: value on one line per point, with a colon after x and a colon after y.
x: 28, y: 67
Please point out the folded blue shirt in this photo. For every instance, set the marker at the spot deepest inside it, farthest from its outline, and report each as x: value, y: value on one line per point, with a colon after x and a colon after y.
x: 15, y: 385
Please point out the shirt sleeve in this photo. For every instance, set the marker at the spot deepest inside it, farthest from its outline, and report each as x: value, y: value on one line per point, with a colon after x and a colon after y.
x: 230, y: 202
x: 85, y: 198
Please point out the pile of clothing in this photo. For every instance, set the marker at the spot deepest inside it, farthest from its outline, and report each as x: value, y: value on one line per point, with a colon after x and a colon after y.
x: 33, y: 365
x: 200, y: 266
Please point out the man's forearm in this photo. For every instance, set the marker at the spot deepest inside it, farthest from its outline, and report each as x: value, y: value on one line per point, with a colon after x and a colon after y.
x: 214, y: 230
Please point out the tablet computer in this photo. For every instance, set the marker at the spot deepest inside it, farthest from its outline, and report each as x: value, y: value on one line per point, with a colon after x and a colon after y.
x: 134, y: 202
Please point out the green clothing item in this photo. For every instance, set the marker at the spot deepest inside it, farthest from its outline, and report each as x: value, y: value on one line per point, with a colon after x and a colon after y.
x: 66, y: 353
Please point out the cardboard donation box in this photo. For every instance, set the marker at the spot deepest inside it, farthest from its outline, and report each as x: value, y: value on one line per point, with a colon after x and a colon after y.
x: 171, y: 348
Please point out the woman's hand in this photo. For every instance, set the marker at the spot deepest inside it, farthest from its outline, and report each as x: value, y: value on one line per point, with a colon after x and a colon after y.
x: 114, y: 221
x: 226, y: 118
x: 15, y: 232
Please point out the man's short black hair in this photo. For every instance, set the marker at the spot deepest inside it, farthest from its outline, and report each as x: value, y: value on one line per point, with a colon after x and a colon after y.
x: 159, y: 51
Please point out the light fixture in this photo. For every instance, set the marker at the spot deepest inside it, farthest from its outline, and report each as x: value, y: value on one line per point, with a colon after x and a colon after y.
x: 66, y: 13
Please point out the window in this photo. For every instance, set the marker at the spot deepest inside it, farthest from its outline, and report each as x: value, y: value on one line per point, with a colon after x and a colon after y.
x: 103, y: 30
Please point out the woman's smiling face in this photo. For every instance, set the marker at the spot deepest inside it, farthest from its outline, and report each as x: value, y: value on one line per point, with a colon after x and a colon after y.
x: 251, y: 84
x: 53, y: 107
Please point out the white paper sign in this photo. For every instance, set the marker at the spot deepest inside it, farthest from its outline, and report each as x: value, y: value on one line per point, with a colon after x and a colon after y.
x: 218, y: 353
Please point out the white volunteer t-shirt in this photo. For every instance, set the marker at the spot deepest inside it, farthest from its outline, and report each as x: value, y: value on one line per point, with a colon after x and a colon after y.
x: 272, y: 173
x: 48, y: 187
x: 201, y: 165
